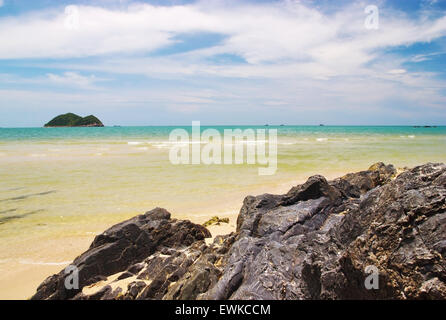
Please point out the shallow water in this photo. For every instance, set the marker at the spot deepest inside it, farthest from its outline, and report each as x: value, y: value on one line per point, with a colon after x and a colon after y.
x: 61, y: 186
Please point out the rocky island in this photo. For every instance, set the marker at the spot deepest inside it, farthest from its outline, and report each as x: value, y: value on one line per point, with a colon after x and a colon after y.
x: 73, y: 120
x: 318, y: 241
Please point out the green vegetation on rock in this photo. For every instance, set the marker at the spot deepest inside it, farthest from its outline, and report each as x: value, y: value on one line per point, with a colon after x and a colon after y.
x: 88, y: 120
x: 73, y: 120
x: 215, y: 220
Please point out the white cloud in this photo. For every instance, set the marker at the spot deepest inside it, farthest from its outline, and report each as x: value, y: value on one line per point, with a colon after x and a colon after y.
x: 397, y: 71
x: 425, y: 57
x: 258, y: 33
x: 1, y: 3
x: 73, y: 79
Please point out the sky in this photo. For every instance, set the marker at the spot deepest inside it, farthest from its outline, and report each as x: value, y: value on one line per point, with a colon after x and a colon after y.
x: 170, y: 62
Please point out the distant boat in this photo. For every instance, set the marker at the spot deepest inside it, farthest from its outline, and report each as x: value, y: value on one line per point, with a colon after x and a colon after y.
x: 117, y: 126
x: 321, y: 125
x: 282, y: 125
x: 266, y: 125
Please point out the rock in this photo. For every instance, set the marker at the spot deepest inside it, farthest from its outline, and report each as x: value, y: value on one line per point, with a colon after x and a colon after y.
x: 315, y: 188
x: 318, y: 241
x: 215, y: 220
x: 396, y: 225
x: 376, y: 175
x: 204, y: 273
x: 121, y: 247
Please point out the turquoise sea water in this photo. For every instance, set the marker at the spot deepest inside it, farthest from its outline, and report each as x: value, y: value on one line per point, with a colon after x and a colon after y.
x: 61, y: 186
x: 17, y: 134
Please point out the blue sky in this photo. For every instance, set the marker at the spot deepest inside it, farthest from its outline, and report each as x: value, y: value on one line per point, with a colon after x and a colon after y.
x: 223, y: 62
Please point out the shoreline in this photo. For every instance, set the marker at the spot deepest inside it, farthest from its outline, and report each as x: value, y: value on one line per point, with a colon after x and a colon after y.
x: 274, y: 231
x: 24, y: 279
x: 20, y: 282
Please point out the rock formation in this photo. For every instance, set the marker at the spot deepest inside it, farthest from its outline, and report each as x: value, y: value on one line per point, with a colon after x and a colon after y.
x: 318, y: 241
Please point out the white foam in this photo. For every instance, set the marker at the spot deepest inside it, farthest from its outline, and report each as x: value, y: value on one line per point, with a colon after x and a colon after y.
x: 254, y: 142
x: 321, y: 139
x: 164, y: 145
x: 411, y: 137
x: 134, y: 143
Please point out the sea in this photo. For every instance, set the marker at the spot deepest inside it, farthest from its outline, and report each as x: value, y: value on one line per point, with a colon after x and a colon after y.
x: 59, y: 187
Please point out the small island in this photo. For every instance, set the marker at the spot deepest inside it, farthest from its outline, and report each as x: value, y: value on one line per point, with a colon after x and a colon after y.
x: 73, y: 120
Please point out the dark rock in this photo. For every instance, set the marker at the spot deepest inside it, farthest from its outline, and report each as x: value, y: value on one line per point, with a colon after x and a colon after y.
x: 204, y: 272
x: 315, y: 188
x: 122, y: 246
x: 397, y: 226
x: 378, y: 174
x: 135, y: 288
x: 125, y: 275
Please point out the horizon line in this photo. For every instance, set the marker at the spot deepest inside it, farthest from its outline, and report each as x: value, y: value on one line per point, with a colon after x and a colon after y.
x: 244, y: 125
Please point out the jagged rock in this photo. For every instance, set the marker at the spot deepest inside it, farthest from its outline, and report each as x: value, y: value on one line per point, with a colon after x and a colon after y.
x: 378, y: 174
x: 397, y: 226
x: 315, y: 242
x: 205, y: 272
x: 123, y: 245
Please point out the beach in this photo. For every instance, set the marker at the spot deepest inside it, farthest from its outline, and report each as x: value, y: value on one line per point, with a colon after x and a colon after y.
x: 60, y: 187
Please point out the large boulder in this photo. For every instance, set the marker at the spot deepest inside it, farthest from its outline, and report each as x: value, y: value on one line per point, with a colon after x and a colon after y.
x: 303, y: 246
x: 122, y: 246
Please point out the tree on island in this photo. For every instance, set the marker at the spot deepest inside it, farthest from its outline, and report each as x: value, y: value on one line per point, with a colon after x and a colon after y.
x: 73, y: 120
